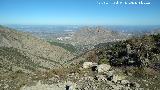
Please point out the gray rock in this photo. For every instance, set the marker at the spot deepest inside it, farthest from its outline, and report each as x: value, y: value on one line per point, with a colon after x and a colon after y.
x: 103, y: 68
x: 101, y: 78
x: 117, y: 78
x: 124, y: 82
x: 87, y: 65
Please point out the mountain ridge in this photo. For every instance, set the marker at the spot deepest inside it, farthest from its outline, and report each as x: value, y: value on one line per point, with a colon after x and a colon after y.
x: 38, y: 50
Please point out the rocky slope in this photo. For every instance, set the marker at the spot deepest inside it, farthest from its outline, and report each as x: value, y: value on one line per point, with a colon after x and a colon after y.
x: 137, y: 58
x: 135, y: 63
x: 21, y: 50
x: 94, y: 36
x: 86, y: 38
x: 132, y: 64
x: 27, y: 63
x: 22, y: 55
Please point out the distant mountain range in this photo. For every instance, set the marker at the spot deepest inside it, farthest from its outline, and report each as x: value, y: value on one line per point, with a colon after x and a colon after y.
x: 93, y: 36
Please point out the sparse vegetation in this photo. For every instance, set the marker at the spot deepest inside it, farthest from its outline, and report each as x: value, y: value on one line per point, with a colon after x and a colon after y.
x: 13, y: 57
x: 68, y: 47
x: 138, y: 59
x: 103, y: 61
x: 139, y: 56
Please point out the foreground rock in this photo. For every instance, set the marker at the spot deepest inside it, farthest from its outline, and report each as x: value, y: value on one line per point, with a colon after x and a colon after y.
x: 84, y: 83
x: 87, y: 65
x: 103, y: 68
x: 58, y: 86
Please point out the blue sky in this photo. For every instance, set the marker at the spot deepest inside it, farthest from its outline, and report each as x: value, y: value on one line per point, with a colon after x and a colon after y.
x: 78, y: 12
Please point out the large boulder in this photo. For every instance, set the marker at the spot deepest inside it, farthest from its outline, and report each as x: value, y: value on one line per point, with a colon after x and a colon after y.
x: 87, y: 65
x: 103, y: 68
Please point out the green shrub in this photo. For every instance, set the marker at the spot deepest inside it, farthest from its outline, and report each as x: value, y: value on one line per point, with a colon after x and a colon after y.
x: 103, y: 61
x: 68, y: 47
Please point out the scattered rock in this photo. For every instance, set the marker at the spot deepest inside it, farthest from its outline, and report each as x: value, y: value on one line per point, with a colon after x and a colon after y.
x: 87, y: 65
x: 70, y: 86
x: 117, y: 78
x: 103, y: 68
x: 6, y: 86
x: 125, y: 82
x: 101, y: 78
x: 135, y: 84
x: 58, y: 86
x: 110, y: 73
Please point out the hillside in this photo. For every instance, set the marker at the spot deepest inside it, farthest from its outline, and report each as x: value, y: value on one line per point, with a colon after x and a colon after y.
x: 131, y: 64
x: 137, y: 58
x: 93, y: 36
x: 23, y: 57
x: 29, y: 49
x: 87, y: 37
x: 29, y: 63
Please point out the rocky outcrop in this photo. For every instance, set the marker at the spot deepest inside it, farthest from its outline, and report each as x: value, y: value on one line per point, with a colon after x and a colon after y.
x: 86, y: 81
x: 87, y: 65
x: 103, y: 68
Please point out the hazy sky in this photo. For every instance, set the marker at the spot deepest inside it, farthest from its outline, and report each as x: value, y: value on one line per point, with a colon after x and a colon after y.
x: 71, y: 12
